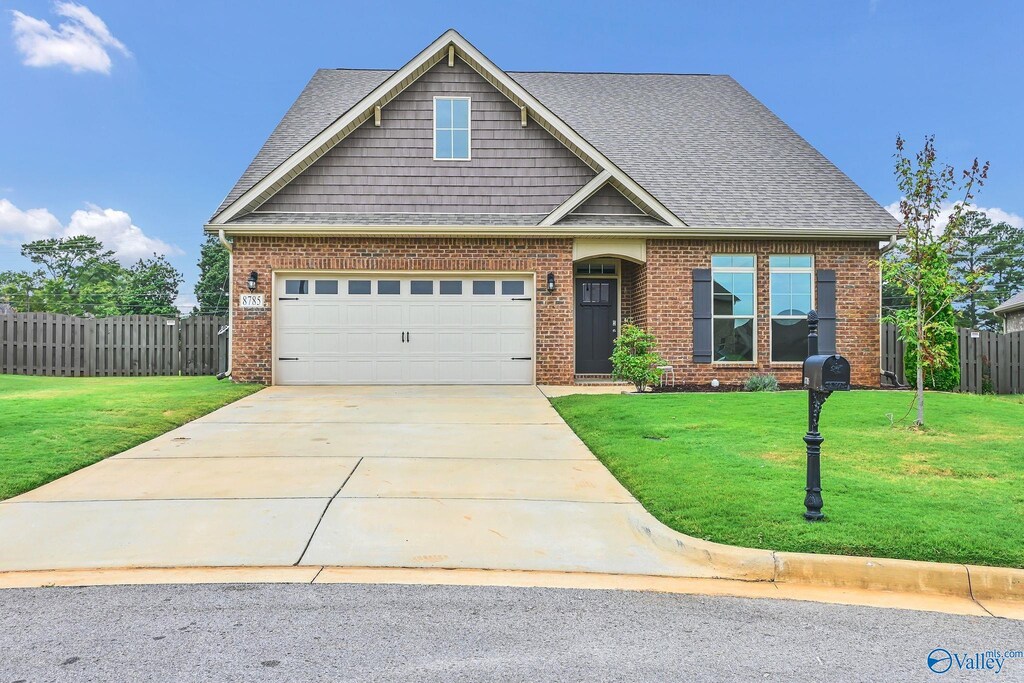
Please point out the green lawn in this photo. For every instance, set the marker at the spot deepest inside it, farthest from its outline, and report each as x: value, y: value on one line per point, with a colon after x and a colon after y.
x: 730, y: 468
x: 51, y: 426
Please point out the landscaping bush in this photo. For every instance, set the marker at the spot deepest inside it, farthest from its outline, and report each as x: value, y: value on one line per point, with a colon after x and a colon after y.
x: 634, y: 359
x: 759, y: 382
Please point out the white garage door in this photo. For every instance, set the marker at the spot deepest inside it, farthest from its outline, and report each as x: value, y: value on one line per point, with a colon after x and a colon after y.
x: 363, y: 329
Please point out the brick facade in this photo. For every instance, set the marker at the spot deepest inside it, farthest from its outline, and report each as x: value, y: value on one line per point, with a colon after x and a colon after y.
x: 251, y: 336
x: 669, y: 311
x: 655, y: 295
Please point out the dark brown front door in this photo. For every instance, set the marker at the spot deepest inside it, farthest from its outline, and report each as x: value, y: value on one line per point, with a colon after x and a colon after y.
x: 596, y: 324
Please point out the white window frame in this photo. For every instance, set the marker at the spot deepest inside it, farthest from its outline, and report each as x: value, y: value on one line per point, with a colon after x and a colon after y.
x: 469, y: 127
x: 803, y: 270
x: 752, y: 270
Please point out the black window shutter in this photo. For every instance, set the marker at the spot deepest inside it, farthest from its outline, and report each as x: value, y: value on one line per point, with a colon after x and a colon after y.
x: 702, y: 315
x: 826, y: 299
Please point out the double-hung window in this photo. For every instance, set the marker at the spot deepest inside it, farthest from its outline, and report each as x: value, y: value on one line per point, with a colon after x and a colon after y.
x: 451, y: 128
x: 792, y: 279
x: 734, y: 323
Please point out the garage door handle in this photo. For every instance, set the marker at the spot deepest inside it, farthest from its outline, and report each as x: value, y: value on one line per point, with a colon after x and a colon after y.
x: 522, y: 298
x: 287, y: 358
x: 287, y: 298
x: 522, y: 357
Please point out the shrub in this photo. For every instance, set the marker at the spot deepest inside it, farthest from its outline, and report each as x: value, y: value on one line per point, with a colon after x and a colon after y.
x: 765, y: 382
x: 634, y: 359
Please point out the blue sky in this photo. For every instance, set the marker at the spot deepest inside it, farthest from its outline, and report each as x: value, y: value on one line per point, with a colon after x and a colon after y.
x: 135, y: 132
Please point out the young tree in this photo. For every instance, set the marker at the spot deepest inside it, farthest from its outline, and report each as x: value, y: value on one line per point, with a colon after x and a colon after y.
x: 920, y: 265
x: 212, y: 287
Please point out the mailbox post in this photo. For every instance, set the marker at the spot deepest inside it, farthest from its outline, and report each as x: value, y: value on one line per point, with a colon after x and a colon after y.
x: 823, y: 374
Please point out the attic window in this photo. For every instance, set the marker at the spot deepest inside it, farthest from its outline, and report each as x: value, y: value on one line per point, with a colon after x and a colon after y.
x: 451, y: 128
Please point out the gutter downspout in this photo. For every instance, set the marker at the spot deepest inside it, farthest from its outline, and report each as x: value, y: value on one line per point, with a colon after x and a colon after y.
x: 887, y: 247
x: 231, y: 288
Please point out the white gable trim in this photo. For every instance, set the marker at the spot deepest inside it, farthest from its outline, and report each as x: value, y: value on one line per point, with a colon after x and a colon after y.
x: 578, y: 197
x: 420, y: 64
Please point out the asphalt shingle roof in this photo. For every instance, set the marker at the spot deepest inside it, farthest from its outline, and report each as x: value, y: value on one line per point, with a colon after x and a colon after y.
x: 1014, y: 302
x: 701, y: 144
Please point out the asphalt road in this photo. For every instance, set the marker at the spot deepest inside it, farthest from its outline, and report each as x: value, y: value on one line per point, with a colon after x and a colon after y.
x: 437, y: 633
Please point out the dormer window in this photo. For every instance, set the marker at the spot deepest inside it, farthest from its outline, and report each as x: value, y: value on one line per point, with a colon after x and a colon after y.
x: 451, y: 128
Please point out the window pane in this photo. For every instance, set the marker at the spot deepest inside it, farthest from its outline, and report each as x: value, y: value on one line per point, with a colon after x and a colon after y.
x: 723, y: 283
x: 358, y: 286
x: 451, y: 286
x: 789, y: 340
x: 721, y: 261
x: 460, y: 113
x: 388, y: 287
x: 790, y: 261
x: 734, y: 339
x: 422, y: 287
x: 513, y: 287
x: 460, y: 144
x: 443, y: 107
x: 483, y: 286
x: 801, y: 283
x: 443, y: 144
x: 296, y: 286
x: 326, y: 287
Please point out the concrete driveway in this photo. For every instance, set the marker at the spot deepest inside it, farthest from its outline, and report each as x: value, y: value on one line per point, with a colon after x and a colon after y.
x: 459, y: 477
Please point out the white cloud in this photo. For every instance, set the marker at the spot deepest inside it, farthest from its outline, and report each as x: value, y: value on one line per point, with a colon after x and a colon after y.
x: 81, y: 41
x: 115, y: 229
x: 112, y: 227
x: 17, y: 226
x: 994, y: 214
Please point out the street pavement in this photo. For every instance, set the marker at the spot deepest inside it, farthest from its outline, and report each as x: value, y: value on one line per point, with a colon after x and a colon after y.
x: 341, y: 632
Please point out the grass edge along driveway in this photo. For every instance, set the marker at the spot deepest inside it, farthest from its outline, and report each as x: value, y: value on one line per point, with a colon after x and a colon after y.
x: 53, y: 426
x: 730, y: 468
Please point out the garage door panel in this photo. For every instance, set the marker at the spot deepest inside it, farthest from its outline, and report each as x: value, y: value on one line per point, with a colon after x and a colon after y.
x: 290, y: 313
x: 389, y: 314
x: 453, y: 314
x: 425, y: 338
x: 484, y: 314
x: 327, y: 342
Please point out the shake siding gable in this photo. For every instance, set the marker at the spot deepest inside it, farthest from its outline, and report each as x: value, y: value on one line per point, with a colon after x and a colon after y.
x: 390, y: 168
x: 608, y: 200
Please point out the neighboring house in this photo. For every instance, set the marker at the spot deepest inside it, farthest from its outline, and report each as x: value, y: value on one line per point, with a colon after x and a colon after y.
x: 6, y: 309
x: 1012, y: 313
x: 453, y: 223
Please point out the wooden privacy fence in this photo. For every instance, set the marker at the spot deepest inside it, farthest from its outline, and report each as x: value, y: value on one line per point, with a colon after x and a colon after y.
x: 117, y: 346
x: 990, y: 362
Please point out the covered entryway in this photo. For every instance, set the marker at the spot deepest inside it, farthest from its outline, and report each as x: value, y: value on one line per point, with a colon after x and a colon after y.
x: 333, y: 328
x: 597, y: 316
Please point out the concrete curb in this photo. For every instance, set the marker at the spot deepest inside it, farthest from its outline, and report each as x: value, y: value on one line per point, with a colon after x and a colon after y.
x: 315, y: 574
x: 996, y: 590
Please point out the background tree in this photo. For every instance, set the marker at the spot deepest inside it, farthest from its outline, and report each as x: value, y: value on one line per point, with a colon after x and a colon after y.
x: 77, y: 276
x: 921, y: 263
x: 1005, y: 265
x: 969, y: 259
x: 149, y: 287
x: 212, y: 288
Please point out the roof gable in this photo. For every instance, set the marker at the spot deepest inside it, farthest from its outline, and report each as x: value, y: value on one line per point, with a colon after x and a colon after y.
x: 449, y: 45
x: 389, y: 168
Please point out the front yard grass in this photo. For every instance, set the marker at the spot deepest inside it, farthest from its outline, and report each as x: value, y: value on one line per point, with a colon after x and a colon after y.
x: 52, y: 426
x: 730, y: 468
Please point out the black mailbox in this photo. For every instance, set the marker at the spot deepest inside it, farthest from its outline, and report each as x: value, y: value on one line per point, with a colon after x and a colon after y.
x: 827, y: 373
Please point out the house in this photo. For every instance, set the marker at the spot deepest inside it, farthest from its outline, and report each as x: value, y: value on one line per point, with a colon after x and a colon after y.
x: 450, y: 222
x: 1012, y: 313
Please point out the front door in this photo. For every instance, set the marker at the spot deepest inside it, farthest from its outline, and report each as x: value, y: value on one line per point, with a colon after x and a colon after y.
x: 596, y: 324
